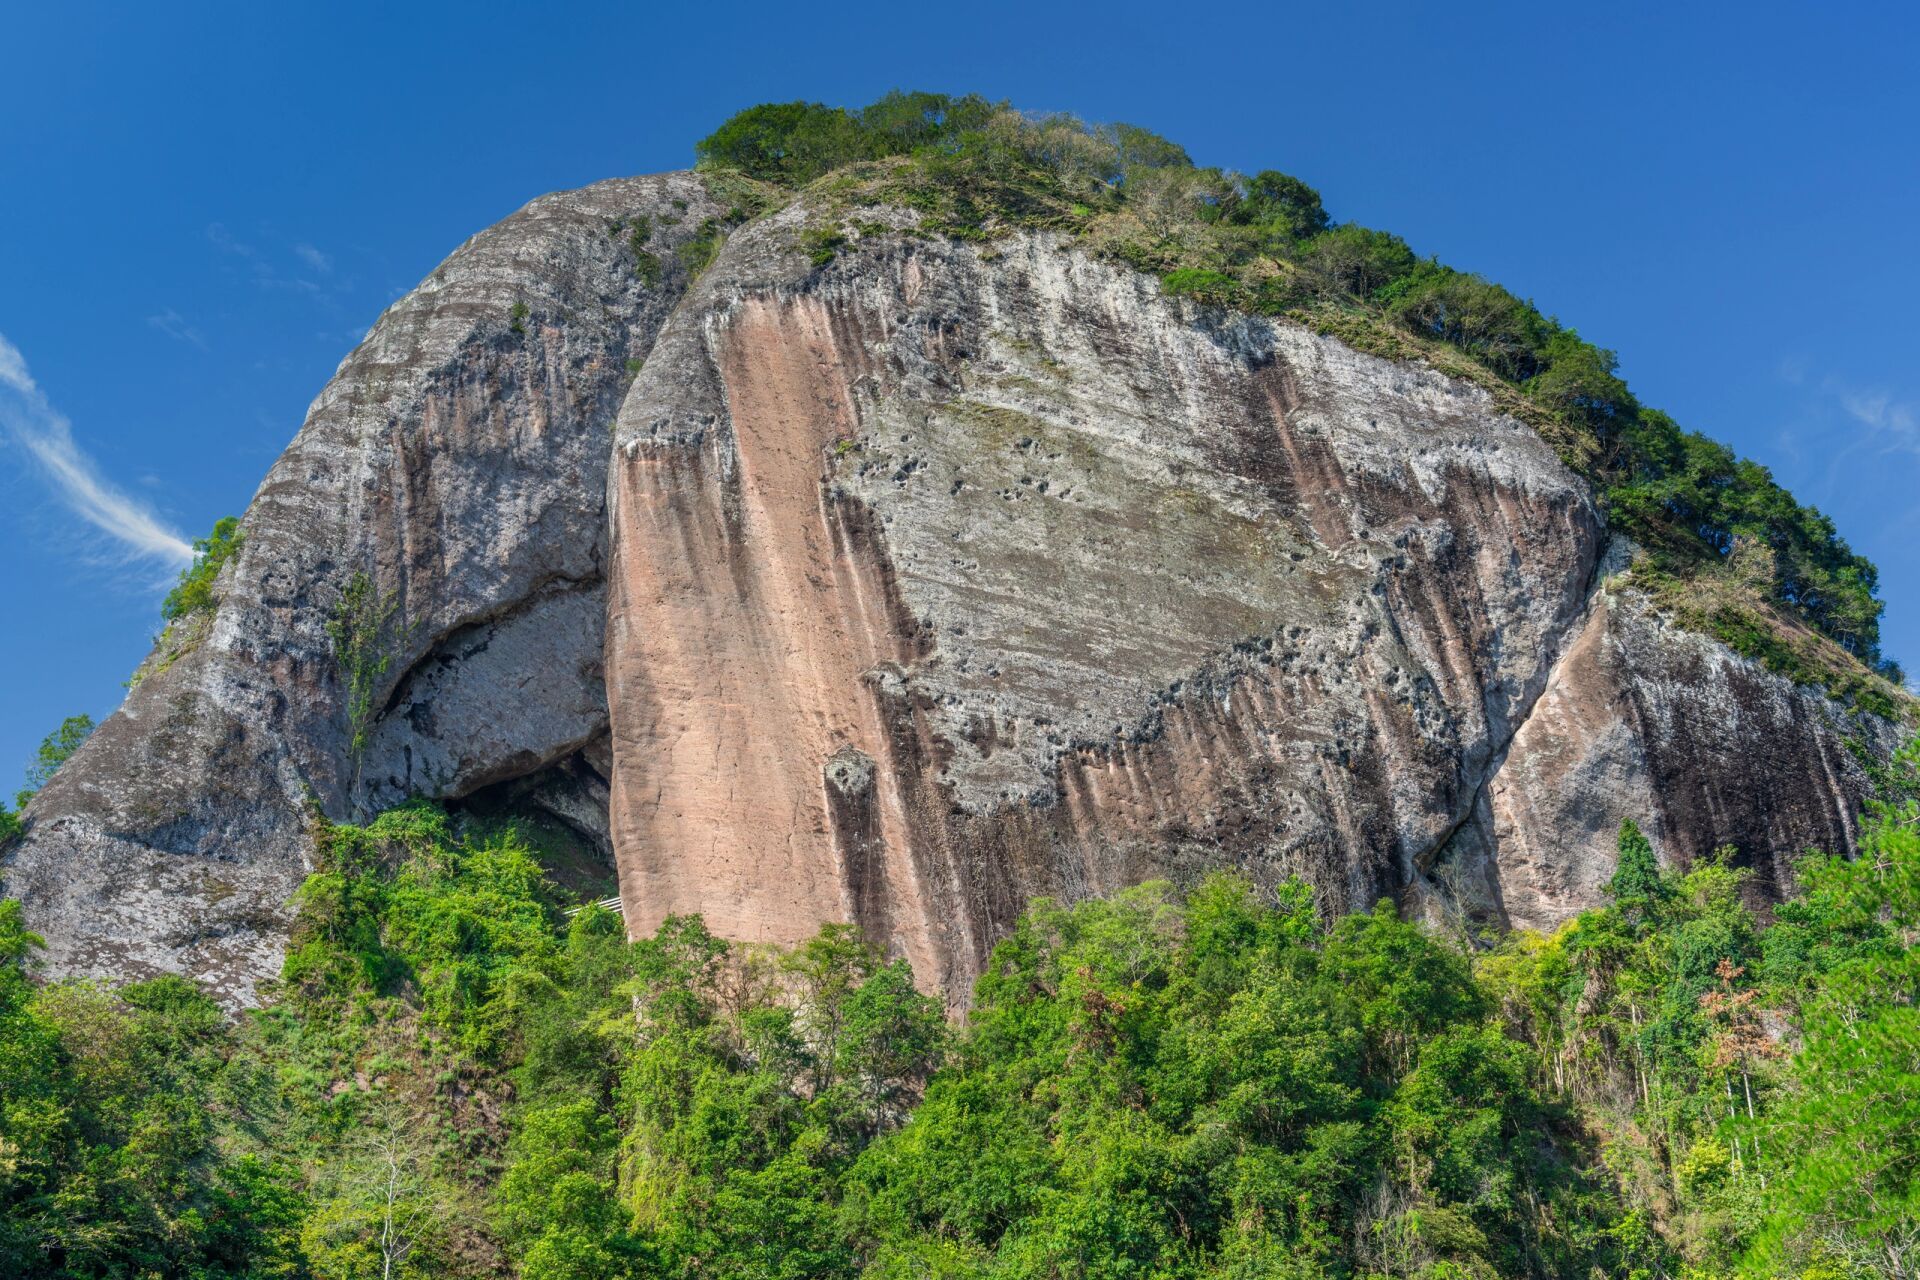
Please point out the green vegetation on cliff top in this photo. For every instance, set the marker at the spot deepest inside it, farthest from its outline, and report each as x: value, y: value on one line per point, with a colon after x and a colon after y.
x: 1785, y: 587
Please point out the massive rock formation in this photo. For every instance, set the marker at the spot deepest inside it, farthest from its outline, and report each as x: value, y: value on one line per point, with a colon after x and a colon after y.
x: 939, y: 576
x: 949, y: 575
x: 458, y: 458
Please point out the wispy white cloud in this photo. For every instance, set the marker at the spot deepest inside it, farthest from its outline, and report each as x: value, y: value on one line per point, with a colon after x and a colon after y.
x: 1894, y: 425
x: 224, y: 239
x: 314, y: 258
x: 175, y: 325
x: 260, y: 263
x: 40, y: 429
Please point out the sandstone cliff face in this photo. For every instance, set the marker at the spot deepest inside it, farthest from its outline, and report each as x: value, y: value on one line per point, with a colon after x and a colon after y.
x: 946, y: 576
x: 461, y: 464
x: 1703, y: 749
x: 930, y: 580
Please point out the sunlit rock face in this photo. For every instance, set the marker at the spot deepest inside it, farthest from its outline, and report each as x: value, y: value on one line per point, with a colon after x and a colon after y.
x: 947, y: 576
x: 903, y: 589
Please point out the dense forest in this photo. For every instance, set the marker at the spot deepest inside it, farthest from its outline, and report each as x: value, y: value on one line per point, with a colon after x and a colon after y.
x: 457, y: 1078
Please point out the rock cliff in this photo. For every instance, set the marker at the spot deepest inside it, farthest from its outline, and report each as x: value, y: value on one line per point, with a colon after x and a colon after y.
x: 931, y: 577
x: 458, y: 458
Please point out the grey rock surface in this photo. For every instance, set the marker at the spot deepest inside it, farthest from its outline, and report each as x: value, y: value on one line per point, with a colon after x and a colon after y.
x: 458, y: 458
x: 1646, y: 721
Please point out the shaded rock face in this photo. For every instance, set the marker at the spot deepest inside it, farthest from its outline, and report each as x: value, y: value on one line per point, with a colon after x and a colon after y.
x: 458, y: 458
x: 946, y: 577
x: 1667, y: 727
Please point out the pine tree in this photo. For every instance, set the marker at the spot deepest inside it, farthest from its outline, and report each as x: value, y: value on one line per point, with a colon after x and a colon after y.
x: 1636, y: 885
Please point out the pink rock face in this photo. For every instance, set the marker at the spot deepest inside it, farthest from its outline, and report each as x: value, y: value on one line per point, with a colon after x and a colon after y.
x: 749, y: 610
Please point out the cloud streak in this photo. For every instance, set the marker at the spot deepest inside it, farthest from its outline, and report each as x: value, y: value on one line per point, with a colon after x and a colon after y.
x: 45, y: 434
x: 176, y: 326
x: 1894, y: 426
x: 313, y: 258
x: 262, y: 270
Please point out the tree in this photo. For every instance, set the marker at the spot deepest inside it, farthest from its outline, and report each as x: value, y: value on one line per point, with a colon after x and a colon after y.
x: 890, y: 1039
x: 1636, y: 884
x: 380, y: 1211
x: 557, y: 1204
x: 904, y: 122
x: 55, y: 750
x: 1354, y: 261
x: 1582, y: 382
x: 830, y: 967
x: 1281, y: 205
x: 1849, y: 1197
x: 787, y: 142
x: 1476, y: 315
x: 194, y: 592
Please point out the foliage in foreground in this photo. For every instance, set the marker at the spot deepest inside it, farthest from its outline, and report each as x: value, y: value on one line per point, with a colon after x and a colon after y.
x: 1264, y: 243
x: 455, y: 1079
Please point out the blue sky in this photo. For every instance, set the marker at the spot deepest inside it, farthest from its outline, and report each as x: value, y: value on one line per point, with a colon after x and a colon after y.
x: 203, y: 207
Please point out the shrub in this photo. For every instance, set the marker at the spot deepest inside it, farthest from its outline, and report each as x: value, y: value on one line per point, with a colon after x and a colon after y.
x: 1213, y: 287
x: 699, y: 252
x: 194, y: 592
x: 361, y: 632
x: 1354, y: 261
x: 646, y: 265
x: 820, y: 244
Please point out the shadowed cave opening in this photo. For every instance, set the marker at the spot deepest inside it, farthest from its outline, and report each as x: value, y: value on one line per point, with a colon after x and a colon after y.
x: 561, y: 812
